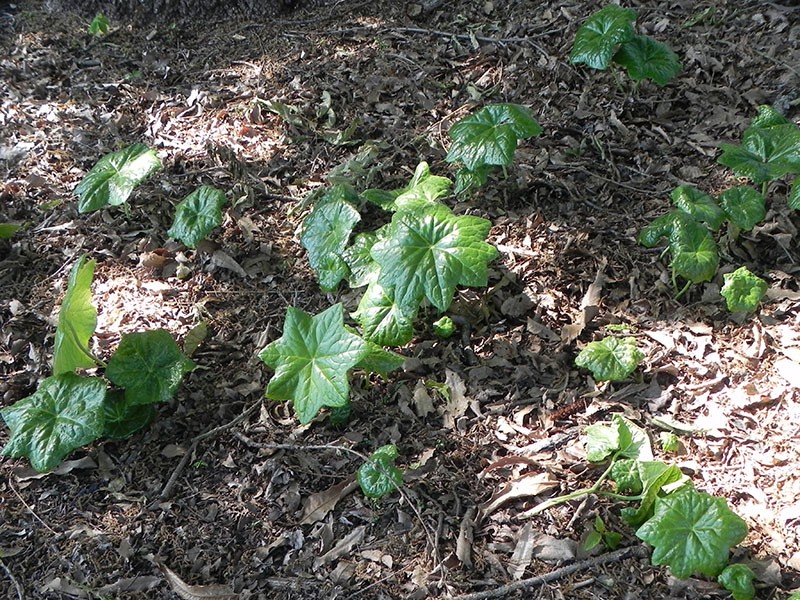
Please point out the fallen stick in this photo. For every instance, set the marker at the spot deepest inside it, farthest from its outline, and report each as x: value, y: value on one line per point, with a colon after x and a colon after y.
x: 503, y: 590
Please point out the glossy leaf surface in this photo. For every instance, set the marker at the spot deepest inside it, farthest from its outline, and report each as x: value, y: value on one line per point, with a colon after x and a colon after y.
x: 692, y: 532
x: 382, y: 319
x: 312, y: 360
x: 112, y: 180
x: 702, y: 207
x: 743, y: 290
x: 77, y: 321
x: 121, y: 418
x: 738, y: 580
x: 766, y: 153
x: 645, y: 58
x: 610, y: 359
x: 149, y: 365
x: 744, y: 206
x: 597, y: 39
x: 65, y: 413
x: 380, y: 476
x: 197, y: 215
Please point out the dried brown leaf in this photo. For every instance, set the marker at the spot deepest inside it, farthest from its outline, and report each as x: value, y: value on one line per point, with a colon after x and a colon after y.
x: 529, y: 485
x: 316, y: 506
x: 196, y: 592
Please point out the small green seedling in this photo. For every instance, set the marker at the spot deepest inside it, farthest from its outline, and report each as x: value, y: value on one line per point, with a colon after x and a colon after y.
x: 742, y: 290
x: 444, y: 327
x: 738, y: 580
x: 197, y: 215
x: 67, y: 410
x: 608, y: 36
x: 7, y: 230
x: 610, y: 359
x: 112, y: 180
x: 600, y: 533
x: 488, y: 138
x: 99, y: 25
x: 690, y: 531
x: 669, y: 442
x: 379, y: 476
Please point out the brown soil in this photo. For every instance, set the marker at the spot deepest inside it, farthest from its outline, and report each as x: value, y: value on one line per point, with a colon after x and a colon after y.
x: 566, y: 218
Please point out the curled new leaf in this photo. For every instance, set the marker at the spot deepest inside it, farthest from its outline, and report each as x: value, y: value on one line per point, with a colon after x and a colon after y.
x: 692, y: 532
x: 610, y: 359
x: 149, y: 365
x: 114, y: 177
x: 379, y: 476
x: 598, y: 37
x: 738, y: 580
x: 77, y: 321
x: 65, y: 413
x: 743, y: 290
x: 197, y: 215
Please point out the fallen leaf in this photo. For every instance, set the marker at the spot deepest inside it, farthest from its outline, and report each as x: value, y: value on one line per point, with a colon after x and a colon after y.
x: 343, y: 547
x: 26, y: 473
x: 316, y: 506
x: 196, y: 592
x: 523, y: 552
x: 457, y: 403
x: 465, y: 537
x: 551, y: 549
x: 530, y: 484
x: 789, y: 370
x: 130, y: 584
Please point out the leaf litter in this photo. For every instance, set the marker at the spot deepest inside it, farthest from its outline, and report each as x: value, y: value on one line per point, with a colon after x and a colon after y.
x: 568, y: 211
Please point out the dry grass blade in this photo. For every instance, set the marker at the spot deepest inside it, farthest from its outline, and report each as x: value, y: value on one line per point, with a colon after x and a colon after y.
x: 196, y: 592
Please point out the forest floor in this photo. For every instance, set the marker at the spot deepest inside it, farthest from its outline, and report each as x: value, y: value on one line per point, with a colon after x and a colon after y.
x: 224, y: 509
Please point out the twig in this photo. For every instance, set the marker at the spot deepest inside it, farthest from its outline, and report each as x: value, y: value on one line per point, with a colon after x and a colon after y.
x: 166, y: 492
x: 30, y: 510
x: 610, y: 557
x: 17, y: 587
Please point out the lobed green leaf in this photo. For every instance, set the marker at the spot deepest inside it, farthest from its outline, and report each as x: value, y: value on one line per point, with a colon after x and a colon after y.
x: 610, y: 359
x: 598, y: 37
x: 738, y: 580
x: 77, y: 321
x: 702, y: 207
x: 64, y: 413
x: 744, y: 206
x: 743, y: 290
x: 382, y: 319
x: 766, y: 153
x: 645, y: 58
x: 379, y: 476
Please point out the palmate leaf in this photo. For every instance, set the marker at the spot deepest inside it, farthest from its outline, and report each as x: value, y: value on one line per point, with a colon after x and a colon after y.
x: 114, y: 177
x: 423, y: 188
x: 598, y: 37
x: 379, y: 476
x: 610, y: 359
x: 380, y: 361
x: 768, y: 117
x: 655, y: 476
x: 197, y: 215
x: 77, y: 321
x: 625, y: 473
x: 702, y: 207
x: 326, y: 232
x: 467, y: 180
x: 149, y: 365
x: 621, y: 437
x: 312, y: 359
x: 382, y: 319
x: 766, y: 153
x: 744, y: 206
x: 490, y: 136
x: 743, y: 290
x: 429, y: 251
x: 65, y: 413
x: 692, y: 532
x: 694, y: 251
x: 645, y: 58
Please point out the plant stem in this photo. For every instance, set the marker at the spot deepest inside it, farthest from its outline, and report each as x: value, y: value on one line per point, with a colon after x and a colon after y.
x: 547, y: 504
x: 764, y: 188
x: 683, y: 290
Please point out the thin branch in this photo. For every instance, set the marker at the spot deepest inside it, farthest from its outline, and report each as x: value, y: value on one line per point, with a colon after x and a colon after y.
x: 610, y: 557
x: 30, y: 510
x: 17, y: 587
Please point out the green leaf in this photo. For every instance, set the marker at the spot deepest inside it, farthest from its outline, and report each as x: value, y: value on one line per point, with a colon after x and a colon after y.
x: 655, y: 476
x: 738, y: 580
x: 625, y: 473
x: 99, y: 25
x: 742, y: 290
x: 692, y: 532
x: 325, y: 233
x: 645, y: 58
x: 429, y: 251
x: 122, y: 419
x: 669, y: 441
x: 423, y: 188
x: 702, y: 207
x: 312, y: 359
x: 490, y: 136
x: 693, y: 249
x: 794, y: 195
x: 661, y: 227
x: 620, y: 437
x: 379, y: 476
x: 766, y: 153
x: 149, y: 365
x: 112, y: 180
x: 77, y: 321
x: 768, y: 117
x: 65, y: 413
x: 744, y: 206
x: 444, y: 327
x: 7, y: 230
x: 610, y: 359
x: 380, y: 361
x: 597, y: 39
x: 383, y: 320
x: 197, y: 215
x: 467, y: 180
